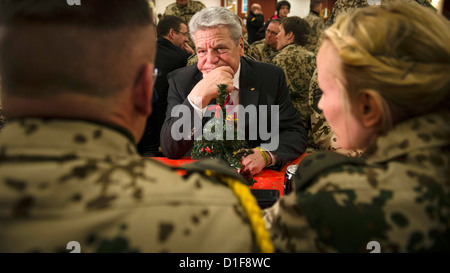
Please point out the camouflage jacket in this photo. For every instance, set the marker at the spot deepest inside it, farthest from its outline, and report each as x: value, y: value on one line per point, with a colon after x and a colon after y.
x: 261, y: 51
x: 186, y: 12
x: 343, y: 6
x: 69, y: 180
x: 298, y: 65
x: 320, y: 135
x: 317, y: 27
x: 398, y: 196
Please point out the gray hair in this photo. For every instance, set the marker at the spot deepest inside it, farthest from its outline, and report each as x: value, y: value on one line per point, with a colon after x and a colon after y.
x: 213, y: 17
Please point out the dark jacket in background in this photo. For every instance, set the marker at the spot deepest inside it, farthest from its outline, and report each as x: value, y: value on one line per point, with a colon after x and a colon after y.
x: 169, y: 57
x: 254, y: 23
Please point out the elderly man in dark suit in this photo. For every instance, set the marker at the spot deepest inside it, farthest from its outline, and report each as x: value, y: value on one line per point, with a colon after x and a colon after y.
x: 219, y: 44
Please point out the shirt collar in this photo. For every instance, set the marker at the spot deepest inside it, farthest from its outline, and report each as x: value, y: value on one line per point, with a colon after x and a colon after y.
x: 236, y: 77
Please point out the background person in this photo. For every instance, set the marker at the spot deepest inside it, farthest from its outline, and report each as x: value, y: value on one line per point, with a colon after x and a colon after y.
x: 263, y: 49
x: 298, y: 63
x: 184, y: 9
x: 255, y: 21
x: 283, y: 9
x: 383, y: 71
x: 317, y: 26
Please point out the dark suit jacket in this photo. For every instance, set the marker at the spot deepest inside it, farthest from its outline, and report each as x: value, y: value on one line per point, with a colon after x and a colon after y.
x: 259, y: 84
x: 169, y: 57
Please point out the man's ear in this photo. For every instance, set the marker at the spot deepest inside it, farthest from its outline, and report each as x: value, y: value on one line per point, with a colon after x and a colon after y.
x: 241, y: 45
x: 143, y: 91
x: 369, y: 109
x: 290, y: 36
x: 171, y: 34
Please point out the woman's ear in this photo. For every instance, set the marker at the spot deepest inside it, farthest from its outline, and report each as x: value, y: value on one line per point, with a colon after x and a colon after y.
x: 369, y: 109
x: 290, y: 37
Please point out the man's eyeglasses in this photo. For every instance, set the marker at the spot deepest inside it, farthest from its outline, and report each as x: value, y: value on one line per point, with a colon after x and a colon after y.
x: 185, y: 34
x: 271, y: 32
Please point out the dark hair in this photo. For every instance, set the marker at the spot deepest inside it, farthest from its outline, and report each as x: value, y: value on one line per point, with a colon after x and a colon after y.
x: 281, y: 4
x: 275, y: 20
x: 93, y: 14
x: 51, y: 47
x: 314, y: 4
x: 167, y: 23
x: 299, y: 27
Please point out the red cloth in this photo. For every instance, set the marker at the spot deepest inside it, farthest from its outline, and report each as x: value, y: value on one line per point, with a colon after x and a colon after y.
x: 267, y: 179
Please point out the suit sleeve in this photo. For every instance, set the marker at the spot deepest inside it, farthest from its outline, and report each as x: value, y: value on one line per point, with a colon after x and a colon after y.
x: 178, y: 131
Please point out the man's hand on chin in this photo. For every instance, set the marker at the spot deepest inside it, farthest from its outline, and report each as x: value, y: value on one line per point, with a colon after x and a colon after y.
x: 206, y: 89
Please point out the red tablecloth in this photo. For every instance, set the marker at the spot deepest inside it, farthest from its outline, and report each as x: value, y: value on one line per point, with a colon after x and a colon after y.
x: 267, y: 179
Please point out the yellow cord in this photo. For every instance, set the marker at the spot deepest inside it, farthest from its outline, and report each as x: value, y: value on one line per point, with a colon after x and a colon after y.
x: 254, y: 214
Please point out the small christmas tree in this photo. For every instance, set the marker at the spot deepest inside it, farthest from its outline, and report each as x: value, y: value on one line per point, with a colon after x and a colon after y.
x: 214, y: 142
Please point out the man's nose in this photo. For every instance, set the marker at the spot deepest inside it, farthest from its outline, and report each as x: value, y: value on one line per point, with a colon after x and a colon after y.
x: 212, y: 57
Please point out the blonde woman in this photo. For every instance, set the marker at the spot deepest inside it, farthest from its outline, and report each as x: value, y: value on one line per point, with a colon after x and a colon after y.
x: 385, y: 76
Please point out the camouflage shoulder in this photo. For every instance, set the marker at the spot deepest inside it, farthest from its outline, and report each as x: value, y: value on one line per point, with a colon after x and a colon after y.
x: 169, y: 9
x: 319, y: 162
x: 247, y: 55
x: 258, y: 42
x: 273, y: 57
x: 193, y: 59
x: 198, y: 4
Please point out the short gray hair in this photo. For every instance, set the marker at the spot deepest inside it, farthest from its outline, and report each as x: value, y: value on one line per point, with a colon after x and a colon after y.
x: 213, y: 17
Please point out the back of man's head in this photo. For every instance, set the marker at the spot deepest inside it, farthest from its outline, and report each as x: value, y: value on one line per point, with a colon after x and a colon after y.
x: 50, y: 47
x: 299, y: 27
x: 167, y: 23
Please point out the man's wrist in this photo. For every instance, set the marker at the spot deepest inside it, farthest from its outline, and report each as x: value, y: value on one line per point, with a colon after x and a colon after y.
x: 267, y: 158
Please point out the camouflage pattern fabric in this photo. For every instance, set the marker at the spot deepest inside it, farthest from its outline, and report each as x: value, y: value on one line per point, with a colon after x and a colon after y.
x: 298, y: 65
x: 185, y: 13
x: 261, y: 51
x: 69, y: 180
x: 343, y: 6
x: 317, y: 27
x: 320, y: 135
x: 399, y: 197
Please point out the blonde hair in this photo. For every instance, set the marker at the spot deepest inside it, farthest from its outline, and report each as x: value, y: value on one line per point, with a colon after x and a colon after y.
x: 400, y: 54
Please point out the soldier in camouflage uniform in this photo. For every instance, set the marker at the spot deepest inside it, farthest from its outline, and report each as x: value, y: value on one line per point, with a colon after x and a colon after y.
x: 69, y: 169
x: 185, y: 9
x: 263, y: 49
x: 397, y: 196
x: 297, y: 62
x: 316, y: 24
x: 344, y: 6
